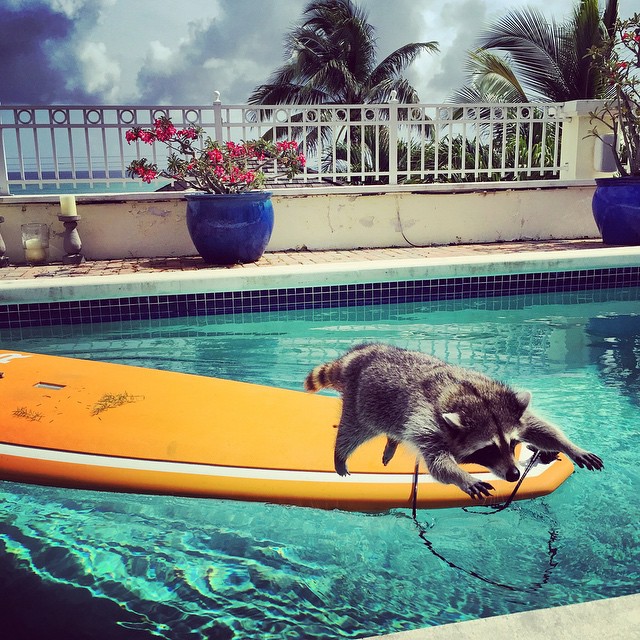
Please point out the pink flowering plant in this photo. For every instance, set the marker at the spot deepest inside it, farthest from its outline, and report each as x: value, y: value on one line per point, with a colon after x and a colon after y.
x: 210, y: 166
x: 618, y: 62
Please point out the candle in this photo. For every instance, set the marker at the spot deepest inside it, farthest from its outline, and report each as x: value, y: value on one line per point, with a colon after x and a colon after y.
x: 68, y: 206
x: 34, y: 252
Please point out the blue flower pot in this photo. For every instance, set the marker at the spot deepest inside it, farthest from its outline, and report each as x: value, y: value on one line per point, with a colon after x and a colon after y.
x: 616, y: 209
x: 230, y: 229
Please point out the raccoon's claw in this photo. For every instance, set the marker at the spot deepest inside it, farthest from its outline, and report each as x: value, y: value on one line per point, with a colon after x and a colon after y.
x: 341, y: 468
x: 479, y: 490
x: 589, y: 460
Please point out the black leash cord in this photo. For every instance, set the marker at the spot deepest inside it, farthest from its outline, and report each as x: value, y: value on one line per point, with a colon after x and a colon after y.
x: 510, y: 499
x: 423, y: 536
x: 414, y: 490
x: 496, y: 509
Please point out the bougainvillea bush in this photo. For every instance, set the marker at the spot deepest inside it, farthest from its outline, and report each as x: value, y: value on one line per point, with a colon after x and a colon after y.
x: 201, y: 163
x: 618, y: 62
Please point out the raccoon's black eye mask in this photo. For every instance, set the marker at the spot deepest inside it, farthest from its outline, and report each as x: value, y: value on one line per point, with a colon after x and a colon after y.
x: 487, y: 455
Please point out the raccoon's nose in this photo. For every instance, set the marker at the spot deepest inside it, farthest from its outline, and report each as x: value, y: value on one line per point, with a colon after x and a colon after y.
x: 513, y: 474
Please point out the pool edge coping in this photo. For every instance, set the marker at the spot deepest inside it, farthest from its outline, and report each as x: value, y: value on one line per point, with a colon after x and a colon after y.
x: 62, y: 288
x: 587, y: 620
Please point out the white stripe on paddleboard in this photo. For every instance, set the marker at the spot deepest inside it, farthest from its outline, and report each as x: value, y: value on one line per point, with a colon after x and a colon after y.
x: 136, y: 464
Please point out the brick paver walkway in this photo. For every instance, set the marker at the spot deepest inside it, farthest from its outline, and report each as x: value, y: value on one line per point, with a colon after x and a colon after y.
x: 194, y: 263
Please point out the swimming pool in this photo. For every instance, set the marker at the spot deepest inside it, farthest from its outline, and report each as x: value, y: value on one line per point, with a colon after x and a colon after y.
x: 182, y: 568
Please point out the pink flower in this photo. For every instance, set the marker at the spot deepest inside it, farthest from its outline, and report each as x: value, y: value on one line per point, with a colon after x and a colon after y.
x: 164, y: 129
x: 189, y: 133
x: 146, y: 175
x: 236, y: 150
x: 215, y: 155
x: 217, y: 168
x: 147, y: 136
x: 286, y: 145
x: 628, y: 36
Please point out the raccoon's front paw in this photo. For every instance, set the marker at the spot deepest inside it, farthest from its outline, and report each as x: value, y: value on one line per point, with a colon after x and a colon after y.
x: 479, y: 490
x: 547, y: 457
x: 589, y: 460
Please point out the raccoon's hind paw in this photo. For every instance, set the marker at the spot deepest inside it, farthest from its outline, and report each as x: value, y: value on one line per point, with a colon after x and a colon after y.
x: 479, y: 490
x: 341, y: 468
x: 589, y: 460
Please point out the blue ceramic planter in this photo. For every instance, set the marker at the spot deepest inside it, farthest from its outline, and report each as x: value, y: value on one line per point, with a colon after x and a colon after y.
x: 616, y: 210
x: 230, y: 229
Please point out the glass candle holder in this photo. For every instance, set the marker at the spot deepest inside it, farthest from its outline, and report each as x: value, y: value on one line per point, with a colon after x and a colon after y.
x: 35, y: 242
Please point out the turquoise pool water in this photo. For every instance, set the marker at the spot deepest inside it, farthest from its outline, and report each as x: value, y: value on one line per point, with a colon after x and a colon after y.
x: 120, y: 566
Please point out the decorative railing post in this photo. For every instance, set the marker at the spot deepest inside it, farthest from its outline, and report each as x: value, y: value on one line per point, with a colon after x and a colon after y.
x: 217, y: 116
x: 4, y: 173
x: 4, y: 261
x: 580, y: 150
x: 393, y: 138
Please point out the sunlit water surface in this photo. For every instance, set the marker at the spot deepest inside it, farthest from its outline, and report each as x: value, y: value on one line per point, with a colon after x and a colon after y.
x: 99, y: 565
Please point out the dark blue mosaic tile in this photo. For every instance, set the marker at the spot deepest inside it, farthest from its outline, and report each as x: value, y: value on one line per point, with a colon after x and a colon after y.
x: 348, y: 295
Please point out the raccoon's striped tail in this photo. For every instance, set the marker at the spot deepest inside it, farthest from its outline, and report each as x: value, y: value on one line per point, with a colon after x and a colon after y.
x: 323, y: 376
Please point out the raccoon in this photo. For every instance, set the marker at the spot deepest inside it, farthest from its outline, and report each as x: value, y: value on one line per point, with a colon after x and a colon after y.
x: 451, y: 415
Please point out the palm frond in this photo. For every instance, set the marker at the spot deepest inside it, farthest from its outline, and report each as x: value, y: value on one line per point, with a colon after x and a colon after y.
x: 494, y: 78
x: 534, y: 46
x: 291, y: 93
x: 397, y: 62
x: 609, y: 17
x: 546, y: 59
x: 333, y: 50
x: 584, y: 31
x: 381, y: 92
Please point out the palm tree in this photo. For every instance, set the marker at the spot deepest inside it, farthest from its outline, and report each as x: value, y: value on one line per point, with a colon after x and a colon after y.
x: 331, y: 59
x: 541, y: 60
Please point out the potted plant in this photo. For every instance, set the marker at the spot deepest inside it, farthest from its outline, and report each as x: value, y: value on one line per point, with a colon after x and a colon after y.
x: 229, y: 216
x: 616, y: 201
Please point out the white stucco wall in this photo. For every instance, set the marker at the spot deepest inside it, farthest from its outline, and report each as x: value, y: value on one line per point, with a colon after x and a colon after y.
x: 151, y: 225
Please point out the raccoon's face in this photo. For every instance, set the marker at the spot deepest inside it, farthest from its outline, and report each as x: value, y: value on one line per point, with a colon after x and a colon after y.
x: 499, y: 457
x: 487, y: 433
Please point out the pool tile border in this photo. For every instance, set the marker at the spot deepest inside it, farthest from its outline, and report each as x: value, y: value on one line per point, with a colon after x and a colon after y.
x: 147, y: 307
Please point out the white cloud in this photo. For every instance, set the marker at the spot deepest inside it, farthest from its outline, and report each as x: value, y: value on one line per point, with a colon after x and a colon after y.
x: 101, y: 75
x: 158, y: 53
x: 141, y: 52
x: 73, y: 9
x: 213, y: 63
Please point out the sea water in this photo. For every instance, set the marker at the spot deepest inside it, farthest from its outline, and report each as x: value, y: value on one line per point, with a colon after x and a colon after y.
x: 78, y: 564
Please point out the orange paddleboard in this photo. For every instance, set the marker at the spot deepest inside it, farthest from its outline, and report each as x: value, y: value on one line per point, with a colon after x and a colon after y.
x: 77, y: 423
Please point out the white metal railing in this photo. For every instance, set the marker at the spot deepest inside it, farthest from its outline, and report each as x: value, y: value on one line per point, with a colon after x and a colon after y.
x: 392, y: 143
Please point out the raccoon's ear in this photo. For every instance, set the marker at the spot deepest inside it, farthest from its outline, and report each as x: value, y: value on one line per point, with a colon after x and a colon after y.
x: 523, y: 398
x: 453, y: 420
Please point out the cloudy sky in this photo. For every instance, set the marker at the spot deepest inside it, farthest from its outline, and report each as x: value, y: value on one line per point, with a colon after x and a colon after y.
x: 181, y: 51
